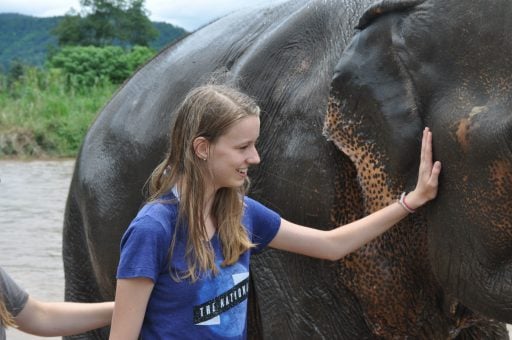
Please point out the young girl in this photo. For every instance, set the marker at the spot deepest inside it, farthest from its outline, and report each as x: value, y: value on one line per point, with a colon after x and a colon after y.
x: 184, y: 267
x: 18, y: 309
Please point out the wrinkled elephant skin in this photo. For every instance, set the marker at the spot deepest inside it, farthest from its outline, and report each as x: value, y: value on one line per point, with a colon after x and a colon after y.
x: 283, y: 56
x: 446, y: 65
x: 402, y: 285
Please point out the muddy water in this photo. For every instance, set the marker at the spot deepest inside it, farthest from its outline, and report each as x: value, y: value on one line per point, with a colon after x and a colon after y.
x: 32, y: 200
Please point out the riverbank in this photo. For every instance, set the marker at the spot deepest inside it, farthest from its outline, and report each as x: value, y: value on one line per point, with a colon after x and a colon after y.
x: 19, y: 143
x: 44, y: 115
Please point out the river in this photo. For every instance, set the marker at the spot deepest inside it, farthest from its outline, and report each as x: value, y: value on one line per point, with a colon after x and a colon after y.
x: 32, y: 200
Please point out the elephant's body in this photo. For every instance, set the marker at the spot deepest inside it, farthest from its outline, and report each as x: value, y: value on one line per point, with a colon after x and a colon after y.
x: 283, y: 56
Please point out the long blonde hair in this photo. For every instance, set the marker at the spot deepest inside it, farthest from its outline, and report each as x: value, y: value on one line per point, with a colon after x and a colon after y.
x: 207, y: 111
x: 6, y: 319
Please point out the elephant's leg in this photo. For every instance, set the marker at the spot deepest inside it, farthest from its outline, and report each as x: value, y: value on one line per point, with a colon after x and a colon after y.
x: 80, y: 284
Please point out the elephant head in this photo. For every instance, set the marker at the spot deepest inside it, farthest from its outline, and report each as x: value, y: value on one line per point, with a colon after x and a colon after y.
x: 445, y: 64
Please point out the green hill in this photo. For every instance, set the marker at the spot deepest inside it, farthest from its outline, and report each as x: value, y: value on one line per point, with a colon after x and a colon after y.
x: 28, y: 39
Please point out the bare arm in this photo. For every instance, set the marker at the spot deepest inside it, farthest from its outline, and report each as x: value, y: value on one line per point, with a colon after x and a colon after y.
x: 63, y: 318
x: 336, y: 243
x: 132, y: 296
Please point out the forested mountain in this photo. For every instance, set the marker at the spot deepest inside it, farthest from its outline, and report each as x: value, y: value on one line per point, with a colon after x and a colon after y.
x: 167, y: 34
x: 25, y: 38
x: 29, y: 39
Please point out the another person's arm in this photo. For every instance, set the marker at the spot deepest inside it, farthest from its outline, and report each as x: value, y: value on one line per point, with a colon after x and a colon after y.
x: 336, y: 243
x: 63, y: 318
x: 132, y: 296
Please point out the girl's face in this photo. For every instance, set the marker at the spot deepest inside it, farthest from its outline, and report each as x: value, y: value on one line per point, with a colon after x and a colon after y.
x: 232, y: 154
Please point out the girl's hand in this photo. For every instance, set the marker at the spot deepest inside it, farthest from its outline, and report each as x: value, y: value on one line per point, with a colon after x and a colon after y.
x: 428, y: 174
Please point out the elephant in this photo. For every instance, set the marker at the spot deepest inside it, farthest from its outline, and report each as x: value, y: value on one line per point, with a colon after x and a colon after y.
x: 330, y: 153
x: 444, y: 64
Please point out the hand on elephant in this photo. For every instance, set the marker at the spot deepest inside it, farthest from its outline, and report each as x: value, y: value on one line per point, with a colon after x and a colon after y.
x: 428, y: 174
x: 338, y: 242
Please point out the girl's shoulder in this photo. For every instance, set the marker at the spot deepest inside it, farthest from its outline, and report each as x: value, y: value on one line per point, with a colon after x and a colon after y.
x: 163, y: 206
x: 251, y: 203
x: 253, y: 207
x: 261, y: 223
x: 162, y: 212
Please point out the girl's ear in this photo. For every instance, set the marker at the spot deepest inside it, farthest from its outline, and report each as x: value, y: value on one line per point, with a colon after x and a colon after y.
x: 201, y: 147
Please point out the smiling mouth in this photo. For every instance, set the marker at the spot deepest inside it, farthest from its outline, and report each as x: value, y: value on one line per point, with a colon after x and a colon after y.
x: 242, y: 171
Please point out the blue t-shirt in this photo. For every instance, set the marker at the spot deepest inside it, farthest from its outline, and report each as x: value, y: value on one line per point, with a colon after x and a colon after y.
x: 213, y: 307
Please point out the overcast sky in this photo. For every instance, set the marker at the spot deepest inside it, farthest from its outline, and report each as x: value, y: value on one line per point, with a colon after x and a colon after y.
x: 189, y: 14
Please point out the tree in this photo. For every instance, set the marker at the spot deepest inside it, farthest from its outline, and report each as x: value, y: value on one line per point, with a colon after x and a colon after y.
x: 107, y: 22
x: 135, y: 26
x: 16, y: 72
x: 71, y: 30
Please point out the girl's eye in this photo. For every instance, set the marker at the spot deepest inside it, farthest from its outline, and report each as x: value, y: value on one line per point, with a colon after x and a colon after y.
x: 246, y: 146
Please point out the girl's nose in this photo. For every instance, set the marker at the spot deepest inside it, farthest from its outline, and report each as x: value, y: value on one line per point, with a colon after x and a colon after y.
x: 254, y: 157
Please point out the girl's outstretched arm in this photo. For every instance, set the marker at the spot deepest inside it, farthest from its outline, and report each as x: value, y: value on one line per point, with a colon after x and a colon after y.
x: 338, y: 242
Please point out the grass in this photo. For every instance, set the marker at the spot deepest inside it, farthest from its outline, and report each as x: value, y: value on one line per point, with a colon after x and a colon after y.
x: 45, y: 113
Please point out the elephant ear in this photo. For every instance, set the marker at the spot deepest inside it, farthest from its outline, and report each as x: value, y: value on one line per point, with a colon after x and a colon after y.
x: 373, y: 106
x: 385, y: 6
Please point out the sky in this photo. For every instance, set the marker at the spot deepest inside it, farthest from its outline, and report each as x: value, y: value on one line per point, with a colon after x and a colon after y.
x: 189, y: 14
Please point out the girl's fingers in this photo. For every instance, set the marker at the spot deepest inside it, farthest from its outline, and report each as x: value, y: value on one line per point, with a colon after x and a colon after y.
x: 426, y: 154
x: 428, y: 147
x: 423, y: 143
x: 436, y: 170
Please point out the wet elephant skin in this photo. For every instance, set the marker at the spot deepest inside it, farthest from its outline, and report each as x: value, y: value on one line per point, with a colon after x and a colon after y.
x: 284, y: 56
x: 443, y: 64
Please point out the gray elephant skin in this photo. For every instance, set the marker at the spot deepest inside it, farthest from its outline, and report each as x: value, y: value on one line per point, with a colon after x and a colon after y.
x: 342, y: 113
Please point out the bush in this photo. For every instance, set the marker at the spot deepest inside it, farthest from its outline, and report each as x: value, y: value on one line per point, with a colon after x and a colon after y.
x: 90, y: 65
x: 48, y: 111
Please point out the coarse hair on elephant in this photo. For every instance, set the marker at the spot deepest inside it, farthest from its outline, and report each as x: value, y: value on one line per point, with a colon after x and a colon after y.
x: 333, y: 149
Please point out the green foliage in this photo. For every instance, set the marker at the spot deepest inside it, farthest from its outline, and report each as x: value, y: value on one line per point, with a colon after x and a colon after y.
x: 107, y: 22
x: 91, y: 65
x: 168, y: 35
x: 138, y: 56
x: 69, y: 30
x: 14, y: 74
x: 25, y: 39
x: 40, y: 115
x: 135, y: 26
x: 47, y: 111
x: 28, y: 39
